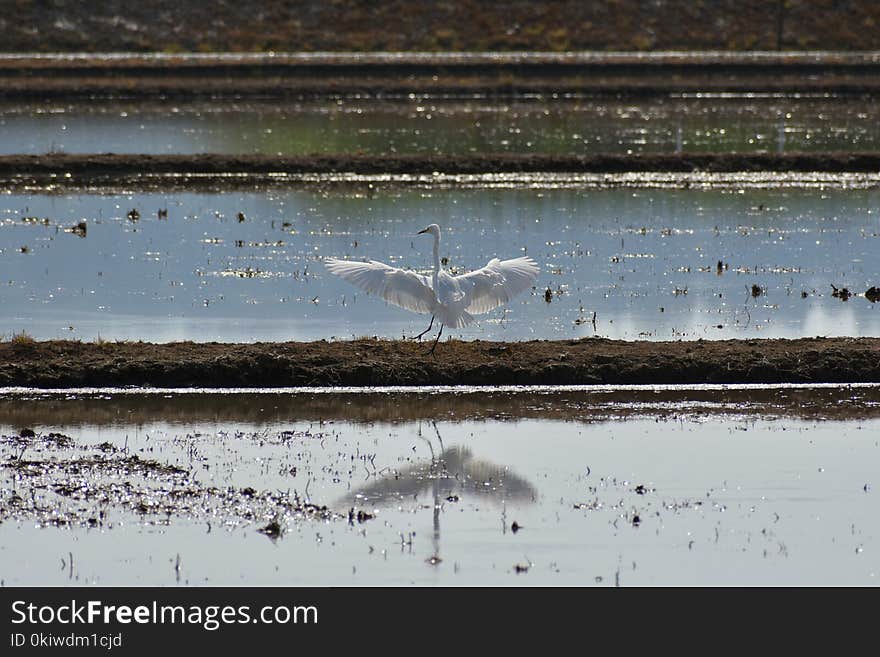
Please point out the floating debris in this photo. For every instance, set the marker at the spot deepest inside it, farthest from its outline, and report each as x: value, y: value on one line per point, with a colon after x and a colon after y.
x: 272, y: 530
x: 248, y: 272
x: 841, y: 293
x: 361, y: 516
x: 80, y: 229
x: 276, y: 243
x: 58, y: 439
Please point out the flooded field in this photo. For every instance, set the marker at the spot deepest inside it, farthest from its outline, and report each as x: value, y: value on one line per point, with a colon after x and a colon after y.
x: 629, y: 485
x: 618, y: 263
x: 626, y: 486
x: 744, y: 123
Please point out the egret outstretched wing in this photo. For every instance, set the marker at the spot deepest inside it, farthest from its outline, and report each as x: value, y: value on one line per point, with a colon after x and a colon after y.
x: 497, y: 283
x: 402, y: 288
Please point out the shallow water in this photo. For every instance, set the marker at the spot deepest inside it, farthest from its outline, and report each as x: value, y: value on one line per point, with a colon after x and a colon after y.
x: 642, y: 262
x: 726, y: 490
x: 745, y: 124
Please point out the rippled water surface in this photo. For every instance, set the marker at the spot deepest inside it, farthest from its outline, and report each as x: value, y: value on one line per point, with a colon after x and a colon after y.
x: 576, y: 488
x: 418, y: 125
x: 620, y: 263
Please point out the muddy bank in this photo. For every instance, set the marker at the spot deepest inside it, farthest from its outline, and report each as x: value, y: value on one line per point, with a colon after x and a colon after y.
x: 43, y: 411
x: 366, y: 362
x: 303, y: 75
x: 278, y: 25
x: 85, y: 169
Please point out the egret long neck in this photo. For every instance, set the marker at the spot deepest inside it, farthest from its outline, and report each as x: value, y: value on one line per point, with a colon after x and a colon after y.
x: 436, y: 254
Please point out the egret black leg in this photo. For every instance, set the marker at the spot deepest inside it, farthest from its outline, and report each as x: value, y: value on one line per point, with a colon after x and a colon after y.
x: 436, y: 341
x: 419, y: 336
x: 434, y: 422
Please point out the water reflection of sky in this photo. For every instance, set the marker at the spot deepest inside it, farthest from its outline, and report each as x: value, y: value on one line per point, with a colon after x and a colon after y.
x: 645, y: 500
x: 450, y: 126
x: 644, y: 261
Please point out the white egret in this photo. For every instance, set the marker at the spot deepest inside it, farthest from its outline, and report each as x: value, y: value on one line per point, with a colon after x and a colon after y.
x: 454, y: 300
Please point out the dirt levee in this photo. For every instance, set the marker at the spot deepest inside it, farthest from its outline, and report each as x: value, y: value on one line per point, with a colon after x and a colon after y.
x: 387, y: 362
x: 278, y: 25
x: 390, y: 75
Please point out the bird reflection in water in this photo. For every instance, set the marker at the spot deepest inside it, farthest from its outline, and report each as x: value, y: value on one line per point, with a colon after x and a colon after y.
x: 451, y: 476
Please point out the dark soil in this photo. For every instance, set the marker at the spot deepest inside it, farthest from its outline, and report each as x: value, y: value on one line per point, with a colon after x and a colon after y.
x: 59, y: 364
x: 359, y: 25
x: 388, y: 75
x: 37, y: 409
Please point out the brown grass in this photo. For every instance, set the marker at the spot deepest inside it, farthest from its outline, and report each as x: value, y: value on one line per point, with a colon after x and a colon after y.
x: 22, y: 338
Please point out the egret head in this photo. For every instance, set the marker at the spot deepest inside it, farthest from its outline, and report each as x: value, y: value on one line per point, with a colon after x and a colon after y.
x: 433, y: 229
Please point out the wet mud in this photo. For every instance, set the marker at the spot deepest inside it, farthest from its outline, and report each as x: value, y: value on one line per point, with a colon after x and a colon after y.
x: 372, y: 362
x: 35, y: 410
x: 444, y: 73
x: 60, y: 482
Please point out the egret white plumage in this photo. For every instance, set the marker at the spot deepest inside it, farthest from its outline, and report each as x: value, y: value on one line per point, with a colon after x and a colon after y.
x: 453, y: 300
